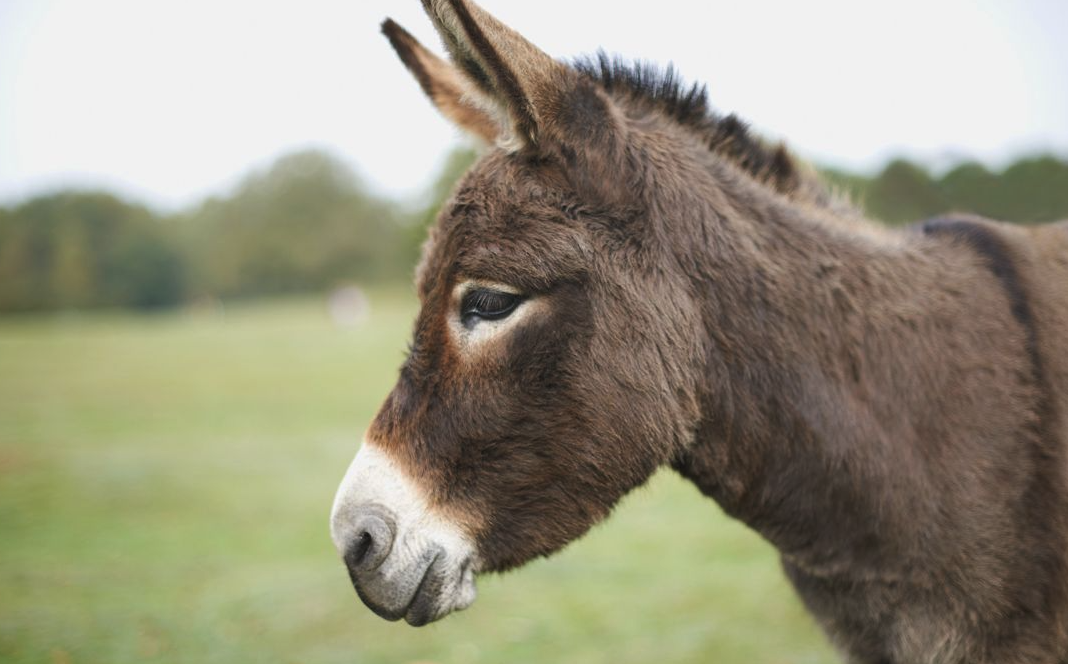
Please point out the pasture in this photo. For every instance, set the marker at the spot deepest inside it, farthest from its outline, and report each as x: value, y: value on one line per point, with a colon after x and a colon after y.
x: 165, y: 484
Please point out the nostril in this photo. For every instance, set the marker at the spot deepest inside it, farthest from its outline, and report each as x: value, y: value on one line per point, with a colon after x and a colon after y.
x: 361, y: 548
x: 372, y: 544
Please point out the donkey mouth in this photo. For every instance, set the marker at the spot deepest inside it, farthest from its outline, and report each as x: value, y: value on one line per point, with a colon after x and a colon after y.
x: 423, y: 606
x: 439, y: 589
x: 417, y: 610
x: 441, y: 592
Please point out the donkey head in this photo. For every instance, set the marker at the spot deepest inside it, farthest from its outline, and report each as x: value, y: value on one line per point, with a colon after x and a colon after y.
x: 553, y: 360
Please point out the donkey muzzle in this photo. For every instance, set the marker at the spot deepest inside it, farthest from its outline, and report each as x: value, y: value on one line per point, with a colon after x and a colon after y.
x: 411, y: 586
x: 404, y: 560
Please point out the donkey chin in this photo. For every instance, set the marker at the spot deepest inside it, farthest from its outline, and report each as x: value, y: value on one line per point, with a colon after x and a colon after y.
x: 405, y: 561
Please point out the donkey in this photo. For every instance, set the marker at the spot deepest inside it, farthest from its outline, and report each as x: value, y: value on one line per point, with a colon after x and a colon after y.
x: 627, y: 280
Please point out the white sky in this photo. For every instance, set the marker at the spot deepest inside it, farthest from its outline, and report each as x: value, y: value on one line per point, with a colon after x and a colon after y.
x: 169, y: 100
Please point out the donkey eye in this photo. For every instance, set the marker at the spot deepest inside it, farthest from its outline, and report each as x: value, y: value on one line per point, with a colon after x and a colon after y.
x: 486, y: 304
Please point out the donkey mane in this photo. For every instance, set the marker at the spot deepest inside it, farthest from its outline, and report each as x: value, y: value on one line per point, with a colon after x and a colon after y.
x: 663, y: 90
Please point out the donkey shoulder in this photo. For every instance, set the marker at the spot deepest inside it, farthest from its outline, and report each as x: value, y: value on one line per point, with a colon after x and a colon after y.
x: 1031, y: 263
x: 1041, y: 251
x: 1045, y: 257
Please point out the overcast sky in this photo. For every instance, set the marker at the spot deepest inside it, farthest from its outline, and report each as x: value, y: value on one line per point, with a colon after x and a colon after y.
x: 168, y: 101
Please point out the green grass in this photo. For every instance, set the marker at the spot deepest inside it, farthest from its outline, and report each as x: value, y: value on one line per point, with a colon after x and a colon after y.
x: 165, y: 483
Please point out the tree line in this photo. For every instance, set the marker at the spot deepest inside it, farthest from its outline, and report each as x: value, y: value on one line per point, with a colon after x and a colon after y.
x: 304, y: 224
x: 308, y: 224
x: 1031, y: 190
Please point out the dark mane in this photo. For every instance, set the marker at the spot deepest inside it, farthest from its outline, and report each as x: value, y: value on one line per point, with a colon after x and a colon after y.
x: 663, y: 90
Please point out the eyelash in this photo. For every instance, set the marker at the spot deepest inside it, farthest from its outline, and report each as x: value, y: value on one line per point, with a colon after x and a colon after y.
x: 487, y: 304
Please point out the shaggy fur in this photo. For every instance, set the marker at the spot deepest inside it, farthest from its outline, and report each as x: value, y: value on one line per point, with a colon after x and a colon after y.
x: 885, y: 407
x: 650, y: 89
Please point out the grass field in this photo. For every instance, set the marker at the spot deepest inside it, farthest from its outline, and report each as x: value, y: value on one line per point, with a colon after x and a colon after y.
x: 165, y: 483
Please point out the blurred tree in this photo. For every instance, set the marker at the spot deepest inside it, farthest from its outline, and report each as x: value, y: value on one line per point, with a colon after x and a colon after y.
x: 1034, y: 190
x: 305, y: 223
x: 73, y: 272
x: 73, y: 250
x: 1029, y: 191
x: 971, y: 187
x: 147, y: 273
x: 19, y: 289
x: 904, y: 192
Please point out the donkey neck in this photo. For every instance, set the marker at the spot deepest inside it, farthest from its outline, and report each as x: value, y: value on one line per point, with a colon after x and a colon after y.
x: 805, y: 311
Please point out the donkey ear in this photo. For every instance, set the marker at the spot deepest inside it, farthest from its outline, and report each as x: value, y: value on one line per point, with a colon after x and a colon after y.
x: 518, y: 80
x: 443, y: 83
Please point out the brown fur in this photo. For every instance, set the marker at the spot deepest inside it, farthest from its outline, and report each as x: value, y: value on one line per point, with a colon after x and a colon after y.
x: 886, y: 407
x: 442, y: 83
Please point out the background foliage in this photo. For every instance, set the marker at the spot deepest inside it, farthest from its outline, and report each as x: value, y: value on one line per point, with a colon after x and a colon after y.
x: 1031, y: 190
x: 307, y: 223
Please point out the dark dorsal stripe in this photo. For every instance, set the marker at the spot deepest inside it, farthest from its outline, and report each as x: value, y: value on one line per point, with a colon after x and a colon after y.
x: 986, y: 242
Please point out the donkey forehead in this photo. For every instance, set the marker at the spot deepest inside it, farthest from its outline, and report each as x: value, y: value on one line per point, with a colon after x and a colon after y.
x: 501, y: 183
x: 506, y: 223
